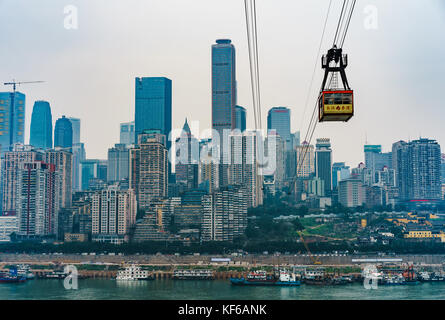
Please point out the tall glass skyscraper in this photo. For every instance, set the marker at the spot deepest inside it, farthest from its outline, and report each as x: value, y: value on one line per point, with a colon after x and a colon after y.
x: 75, y: 123
x: 323, y: 163
x: 223, y: 86
x: 153, y: 107
x: 127, y: 133
x: 41, y: 135
x: 63, y: 133
x: 12, y: 119
x: 240, y: 118
x: 278, y: 119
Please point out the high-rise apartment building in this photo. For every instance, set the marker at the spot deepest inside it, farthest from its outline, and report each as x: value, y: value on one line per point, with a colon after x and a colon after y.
x: 11, y: 162
x: 37, y: 199
x: 63, y: 161
x: 113, y: 213
x: 305, y: 160
x: 351, y: 193
x: 149, y: 168
x: 418, y: 169
x: 224, y: 214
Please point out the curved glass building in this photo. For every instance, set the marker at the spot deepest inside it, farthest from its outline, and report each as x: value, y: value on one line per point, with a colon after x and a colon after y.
x: 41, y: 135
x: 63, y: 133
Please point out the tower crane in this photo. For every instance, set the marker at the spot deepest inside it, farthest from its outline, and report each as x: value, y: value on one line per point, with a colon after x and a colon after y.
x: 14, y: 84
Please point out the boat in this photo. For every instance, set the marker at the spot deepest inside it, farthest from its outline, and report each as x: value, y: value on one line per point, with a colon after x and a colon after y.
x: 23, y: 270
x: 260, y: 278
x: 193, y: 274
x: 133, y: 273
x: 431, y: 277
x: 11, y: 277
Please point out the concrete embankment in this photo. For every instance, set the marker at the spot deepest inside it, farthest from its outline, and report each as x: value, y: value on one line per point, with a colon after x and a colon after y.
x: 248, y: 260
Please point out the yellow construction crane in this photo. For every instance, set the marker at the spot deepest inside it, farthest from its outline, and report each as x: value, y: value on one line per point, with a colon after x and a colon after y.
x: 314, y: 260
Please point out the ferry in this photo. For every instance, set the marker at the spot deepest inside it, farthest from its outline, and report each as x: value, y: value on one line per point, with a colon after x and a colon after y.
x: 11, y: 277
x: 23, y: 270
x: 133, y: 273
x: 260, y: 278
x: 196, y: 274
x: 431, y: 277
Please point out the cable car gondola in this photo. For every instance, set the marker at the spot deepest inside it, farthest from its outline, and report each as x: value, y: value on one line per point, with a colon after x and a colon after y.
x: 335, y: 104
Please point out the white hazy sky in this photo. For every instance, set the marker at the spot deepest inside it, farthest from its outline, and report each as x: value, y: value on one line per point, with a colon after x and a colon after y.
x: 396, y: 70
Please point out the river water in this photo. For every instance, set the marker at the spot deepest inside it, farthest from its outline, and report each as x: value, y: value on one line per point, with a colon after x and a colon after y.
x: 104, y: 289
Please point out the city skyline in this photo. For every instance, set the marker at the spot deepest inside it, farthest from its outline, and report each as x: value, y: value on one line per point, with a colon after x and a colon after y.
x: 73, y: 49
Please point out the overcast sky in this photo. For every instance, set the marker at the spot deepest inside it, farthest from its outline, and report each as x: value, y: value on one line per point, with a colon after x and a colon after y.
x: 396, y: 70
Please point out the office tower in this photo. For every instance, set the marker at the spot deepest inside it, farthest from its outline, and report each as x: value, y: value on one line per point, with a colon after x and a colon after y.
x: 208, y: 168
x: 63, y: 161
x: 305, y: 160
x: 223, y: 86
x: 442, y: 168
x: 323, y: 163
x: 351, y: 193
x: 12, y: 119
x: 75, y: 123
x: 41, y: 133
x: 240, y: 118
x: 11, y: 162
x: 78, y: 156
x: 8, y: 226
x: 223, y: 99
x: 278, y: 119
x: 224, y: 214
x: 127, y: 135
x: 113, y: 214
x: 118, y: 163
x: 149, y: 168
x: 63, y: 133
x: 295, y: 139
x: 89, y: 170
x: 187, y: 158
x: 339, y: 172
x: 37, y: 199
x: 418, y: 169
x: 375, y: 160
x: 153, y: 109
x: 278, y: 156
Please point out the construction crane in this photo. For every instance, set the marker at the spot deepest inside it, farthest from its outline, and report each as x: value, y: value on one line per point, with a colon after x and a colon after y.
x: 14, y: 83
x: 314, y: 260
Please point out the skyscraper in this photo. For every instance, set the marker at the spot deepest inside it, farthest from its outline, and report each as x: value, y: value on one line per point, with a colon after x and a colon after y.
x: 149, y: 168
x: 118, y: 163
x: 75, y: 123
x: 323, y: 163
x: 305, y: 159
x: 375, y: 160
x: 187, y: 158
x: 37, y: 199
x: 113, y: 214
x: 418, y: 169
x: 240, y: 118
x: 223, y: 98
x: 278, y: 119
x: 12, y: 119
x: 11, y: 162
x: 63, y: 162
x: 63, y: 133
x: 153, y: 107
x: 41, y: 135
x: 223, y: 86
x: 127, y: 133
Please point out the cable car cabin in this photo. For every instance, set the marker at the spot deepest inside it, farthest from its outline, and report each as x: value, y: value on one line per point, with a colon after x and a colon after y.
x: 337, y: 105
